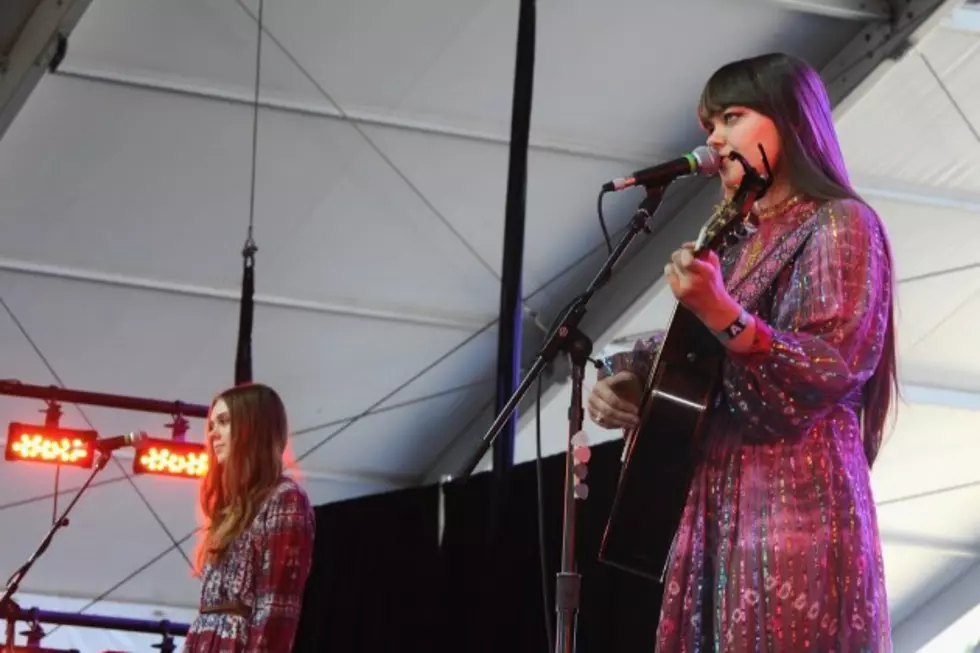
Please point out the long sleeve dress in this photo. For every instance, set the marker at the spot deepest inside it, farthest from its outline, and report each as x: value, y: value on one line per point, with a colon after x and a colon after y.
x: 251, y: 599
x: 778, y: 547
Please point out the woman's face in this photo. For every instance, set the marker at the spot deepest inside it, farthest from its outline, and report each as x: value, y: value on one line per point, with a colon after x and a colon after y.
x: 742, y: 130
x: 219, y: 430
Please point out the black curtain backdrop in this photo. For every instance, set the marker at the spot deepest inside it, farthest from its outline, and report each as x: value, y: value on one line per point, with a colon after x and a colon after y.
x: 372, y: 587
x: 493, y: 583
x: 382, y: 583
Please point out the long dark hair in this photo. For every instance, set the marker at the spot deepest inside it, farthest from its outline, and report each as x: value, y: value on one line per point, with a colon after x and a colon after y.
x: 791, y: 94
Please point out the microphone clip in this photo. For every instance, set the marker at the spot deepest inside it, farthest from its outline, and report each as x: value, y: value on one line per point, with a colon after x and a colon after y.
x: 752, y: 179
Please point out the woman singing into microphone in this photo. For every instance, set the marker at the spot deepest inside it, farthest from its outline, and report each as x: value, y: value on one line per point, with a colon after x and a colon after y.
x: 256, y: 552
x: 778, y: 547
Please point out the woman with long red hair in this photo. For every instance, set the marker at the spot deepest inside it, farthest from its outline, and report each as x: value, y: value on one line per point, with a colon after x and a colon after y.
x: 256, y: 551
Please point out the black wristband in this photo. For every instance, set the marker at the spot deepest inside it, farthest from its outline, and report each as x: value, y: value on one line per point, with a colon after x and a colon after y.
x: 734, y: 329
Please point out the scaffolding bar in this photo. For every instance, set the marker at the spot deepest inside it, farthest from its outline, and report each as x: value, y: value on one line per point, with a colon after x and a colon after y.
x: 54, y: 393
x: 163, y: 627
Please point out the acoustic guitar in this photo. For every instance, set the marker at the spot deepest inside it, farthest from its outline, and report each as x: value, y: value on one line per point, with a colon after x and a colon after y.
x: 660, y: 454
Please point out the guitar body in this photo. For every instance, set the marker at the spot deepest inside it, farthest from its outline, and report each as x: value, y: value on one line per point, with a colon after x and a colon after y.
x: 661, y: 453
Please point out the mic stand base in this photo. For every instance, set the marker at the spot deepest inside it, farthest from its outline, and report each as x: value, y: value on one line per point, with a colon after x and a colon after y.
x: 7, y: 606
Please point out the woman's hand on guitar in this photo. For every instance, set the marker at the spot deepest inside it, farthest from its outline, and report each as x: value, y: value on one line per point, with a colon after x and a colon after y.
x: 614, y: 401
x: 697, y: 283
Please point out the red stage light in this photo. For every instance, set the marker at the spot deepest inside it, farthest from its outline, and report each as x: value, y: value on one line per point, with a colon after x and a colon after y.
x: 32, y: 443
x: 169, y: 458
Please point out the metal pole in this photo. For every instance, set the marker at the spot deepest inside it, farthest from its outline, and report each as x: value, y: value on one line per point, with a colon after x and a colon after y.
x: 64, y: 395
x: 511, y: 300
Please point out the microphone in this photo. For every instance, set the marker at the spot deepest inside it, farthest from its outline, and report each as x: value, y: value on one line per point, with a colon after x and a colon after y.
x: 703, y: 161
x: 120, y: 441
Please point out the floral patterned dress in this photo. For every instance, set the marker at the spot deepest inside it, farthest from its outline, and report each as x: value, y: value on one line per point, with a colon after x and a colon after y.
x: 778, y: 547
x: 251, y: 600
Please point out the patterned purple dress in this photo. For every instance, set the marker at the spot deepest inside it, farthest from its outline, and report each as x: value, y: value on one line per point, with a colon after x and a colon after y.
x: 251, y: 600
x: 778, y: 548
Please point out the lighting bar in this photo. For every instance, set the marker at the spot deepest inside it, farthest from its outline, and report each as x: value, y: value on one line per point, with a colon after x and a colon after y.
x: 121, y: 402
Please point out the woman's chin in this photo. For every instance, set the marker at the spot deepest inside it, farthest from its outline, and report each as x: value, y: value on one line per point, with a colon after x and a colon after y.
x: 729, y: 186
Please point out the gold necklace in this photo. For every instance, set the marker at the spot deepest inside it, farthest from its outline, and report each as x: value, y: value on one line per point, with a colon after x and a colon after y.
x: 778, y: 208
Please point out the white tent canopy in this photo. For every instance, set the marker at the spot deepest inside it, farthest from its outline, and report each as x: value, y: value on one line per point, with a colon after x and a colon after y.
x: 382, y: 165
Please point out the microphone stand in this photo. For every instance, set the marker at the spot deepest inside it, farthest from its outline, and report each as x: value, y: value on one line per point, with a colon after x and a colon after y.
x: 8, y: 607
x: 569, y: 339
